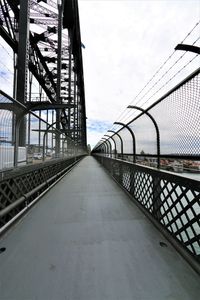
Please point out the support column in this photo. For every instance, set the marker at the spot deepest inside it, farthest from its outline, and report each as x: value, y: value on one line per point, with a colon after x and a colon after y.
x: 74, y: 112
x: 22, y: 63
x: 59, y: 62
x: 70, y: 81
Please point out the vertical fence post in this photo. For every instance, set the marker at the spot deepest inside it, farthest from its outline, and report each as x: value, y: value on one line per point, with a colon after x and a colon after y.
x: 16, y: 139
x: 156, y: 127
x: 115, y: 150
x: 122, y: 151
x: 106, y: 140
x: 133, y: 138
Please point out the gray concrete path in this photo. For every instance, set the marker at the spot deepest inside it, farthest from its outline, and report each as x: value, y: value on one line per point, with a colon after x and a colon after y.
x: 85, y: 240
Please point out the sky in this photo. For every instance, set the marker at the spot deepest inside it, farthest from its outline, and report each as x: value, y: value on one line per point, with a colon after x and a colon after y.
x: 125, y: 44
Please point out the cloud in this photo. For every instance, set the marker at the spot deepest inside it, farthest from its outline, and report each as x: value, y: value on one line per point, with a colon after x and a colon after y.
x: 96, y: 129
x: 126, y: 42
x: 98, y: 125
x: 3, y: 73
x: 6, y: 68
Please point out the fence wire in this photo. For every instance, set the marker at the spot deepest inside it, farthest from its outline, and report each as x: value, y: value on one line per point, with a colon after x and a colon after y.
x: 40, y: 136
x: 167, y: 134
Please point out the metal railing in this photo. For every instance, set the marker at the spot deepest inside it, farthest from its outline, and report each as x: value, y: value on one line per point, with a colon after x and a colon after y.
x: 22, y: 186
x: 166, y: 135
x: 29, y: 168
x: 145, y: 155
x: 171, y: 200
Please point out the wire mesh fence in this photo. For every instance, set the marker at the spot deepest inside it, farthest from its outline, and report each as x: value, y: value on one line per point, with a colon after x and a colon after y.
x: 43, y: 140
x: 171, y: 200
x: 167, y: 134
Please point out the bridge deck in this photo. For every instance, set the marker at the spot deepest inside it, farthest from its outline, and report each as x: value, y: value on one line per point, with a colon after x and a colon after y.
x: 86, y: 240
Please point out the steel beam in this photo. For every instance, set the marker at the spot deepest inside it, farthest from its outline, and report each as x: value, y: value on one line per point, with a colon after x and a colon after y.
x: 59, y: 62
x: 22, y: 63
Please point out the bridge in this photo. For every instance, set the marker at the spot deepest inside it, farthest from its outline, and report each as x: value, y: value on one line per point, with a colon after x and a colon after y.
x: 121, y: 222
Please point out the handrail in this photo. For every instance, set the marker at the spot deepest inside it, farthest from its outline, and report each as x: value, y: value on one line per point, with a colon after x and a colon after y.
x: 170, y: 202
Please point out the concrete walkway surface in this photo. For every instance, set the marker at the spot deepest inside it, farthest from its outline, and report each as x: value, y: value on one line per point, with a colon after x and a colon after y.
x: 86, y: 240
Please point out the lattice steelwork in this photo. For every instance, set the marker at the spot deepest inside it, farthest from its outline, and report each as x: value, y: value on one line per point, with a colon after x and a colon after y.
x: 174, y: 201
x: 47, y: 61
x: 47, y: 110
x: 21, y: 187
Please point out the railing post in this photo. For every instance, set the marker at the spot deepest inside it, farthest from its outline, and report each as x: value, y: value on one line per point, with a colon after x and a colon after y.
x: 19, y: 118
x: 156, y: 127
x: 114, y: 145
x: 16, y: 143
x: 133, y: 137
x: 122, y: 151
x: 105, y: 146
x: 104, y: 149
x: 106, y: 140
x: 44, y: 136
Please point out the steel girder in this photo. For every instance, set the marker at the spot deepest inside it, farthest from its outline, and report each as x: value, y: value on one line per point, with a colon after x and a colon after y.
x: 43, y: 56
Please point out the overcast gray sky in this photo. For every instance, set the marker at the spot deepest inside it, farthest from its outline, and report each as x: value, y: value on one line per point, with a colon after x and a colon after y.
x: 125, y: 44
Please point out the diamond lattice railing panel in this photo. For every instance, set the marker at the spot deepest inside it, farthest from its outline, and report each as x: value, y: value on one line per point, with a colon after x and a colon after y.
x: 143, y: 190
x: 174, y: 201
x: 15, y: 187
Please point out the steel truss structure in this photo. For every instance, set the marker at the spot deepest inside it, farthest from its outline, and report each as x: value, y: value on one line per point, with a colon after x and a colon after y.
x: 43, y: 126
x: 45, y: 38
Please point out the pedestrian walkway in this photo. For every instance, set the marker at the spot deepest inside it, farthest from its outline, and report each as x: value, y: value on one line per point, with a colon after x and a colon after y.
x: 85, y: 240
